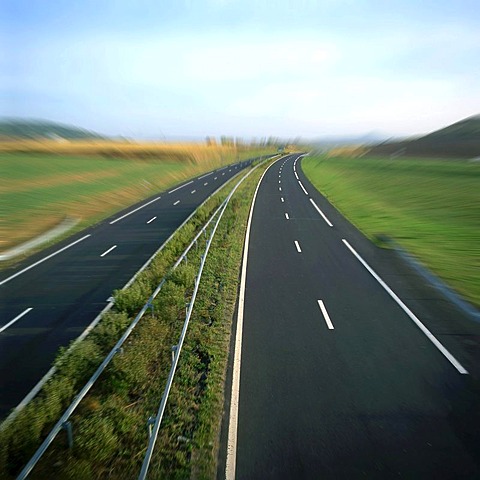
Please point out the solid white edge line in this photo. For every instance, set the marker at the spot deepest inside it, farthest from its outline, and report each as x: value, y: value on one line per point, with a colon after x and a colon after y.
x: 237, y: 356
x: 151, y: 220
x: 303, y: 188
x: 297, y: 246
x: 326, y: 316
x: 181, y: 186
x: 18, y: 317
x: 329, y: 223
x: 108, y: 251
x: 412, y: 316
x: 43, y: 259
x: 133, y: 211
x: 177, y: 202
x: 206, y: 175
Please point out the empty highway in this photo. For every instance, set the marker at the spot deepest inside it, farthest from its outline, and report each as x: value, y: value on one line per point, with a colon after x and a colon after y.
x: 345, y: 364
x: 49, y: 300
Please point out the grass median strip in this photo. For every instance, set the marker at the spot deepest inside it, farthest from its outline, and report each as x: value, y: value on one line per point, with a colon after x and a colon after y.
x: 430, y: 207
x: 110, y: 432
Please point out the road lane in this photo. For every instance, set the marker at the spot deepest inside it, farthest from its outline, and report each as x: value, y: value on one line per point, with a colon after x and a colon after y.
x: 68, y: 285
x: 366, y: 394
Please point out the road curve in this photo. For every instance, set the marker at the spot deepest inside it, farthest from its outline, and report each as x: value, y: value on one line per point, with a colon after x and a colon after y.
x: 338, y: 378
x: 51, y: 298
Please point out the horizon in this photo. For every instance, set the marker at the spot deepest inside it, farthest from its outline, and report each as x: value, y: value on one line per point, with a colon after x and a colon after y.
x: 246, y: 69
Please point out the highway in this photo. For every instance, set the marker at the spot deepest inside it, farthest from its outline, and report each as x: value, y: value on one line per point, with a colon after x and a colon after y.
x: 345, y: 364
x: 49, y: 300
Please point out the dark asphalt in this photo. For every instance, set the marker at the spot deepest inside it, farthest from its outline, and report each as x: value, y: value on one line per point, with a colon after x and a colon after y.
x: 371, y: 398
x: 67, y: 291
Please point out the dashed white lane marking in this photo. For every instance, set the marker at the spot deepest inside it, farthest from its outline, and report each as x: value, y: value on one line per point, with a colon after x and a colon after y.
x: 325, y: 314
x: 282, y: 199
x: 297, y: 246
x: 279, y: 189
x: 43, y: 260
x: 286, y: 216
x: 177, y: 202
x: 108, y: 251
x: 215, y: 178
x: 181, y: 186
x: 329, y: 223
x: 223, y: 173
x: 18, y: 317
x: 279, y: 181
x: 133, y: 211
x: 303, y: 188
x: 205, y: 184
x: 151, y: 220
x: 206, y: 175
x: 193, y: 191
x: 412, y: 316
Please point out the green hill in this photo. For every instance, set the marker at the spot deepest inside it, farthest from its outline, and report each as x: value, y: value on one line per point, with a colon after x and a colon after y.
x: 40, y: 129
x: 461, y: 139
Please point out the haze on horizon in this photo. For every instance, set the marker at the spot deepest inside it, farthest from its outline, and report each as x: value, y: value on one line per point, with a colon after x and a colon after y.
x: 250, y: 68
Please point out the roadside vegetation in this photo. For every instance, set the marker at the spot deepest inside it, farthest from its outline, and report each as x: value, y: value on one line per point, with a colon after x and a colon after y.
x: 430, y: 207
x: 44, y: 183
x: 109, y: 427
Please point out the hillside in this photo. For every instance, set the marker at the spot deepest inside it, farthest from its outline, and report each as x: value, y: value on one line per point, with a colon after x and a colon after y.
x: 12, y: 128
x: 461, y: 139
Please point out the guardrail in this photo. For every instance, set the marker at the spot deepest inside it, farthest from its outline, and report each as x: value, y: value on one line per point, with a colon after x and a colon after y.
x: 63, y: 422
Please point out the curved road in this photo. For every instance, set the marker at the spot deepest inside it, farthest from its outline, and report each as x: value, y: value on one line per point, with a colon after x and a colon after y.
x: 50, y: 299
x: 351, y: 367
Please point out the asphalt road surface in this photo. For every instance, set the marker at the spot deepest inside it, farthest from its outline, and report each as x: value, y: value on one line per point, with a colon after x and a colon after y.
x: 51, y: 298
x: 341, y: 378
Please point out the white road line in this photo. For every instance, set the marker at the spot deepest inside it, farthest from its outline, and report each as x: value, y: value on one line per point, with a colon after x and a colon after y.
x: 412, y: 316
x: 230, y: 170
x: 279, y: 189
x: 215, y: 178
x: 296, y: 176
x: 282, y: 199
x: 177, y: 202
x: 206, y: 175
x: 297, y: 246
x: 286, y: 216
x: 279, y: 181
x: 193, y: 191
x: 43, y: 260
x: 18, y: 317
x: 181, y: 186
x: 223, y: 173
x: 151, y: 220
x: 237, y: 356
x: 133, y: 211
x: 303, y: 188
x: 108, y: 251
x: 325, y: 314
x: 205, y: 184
x: 329, y: 223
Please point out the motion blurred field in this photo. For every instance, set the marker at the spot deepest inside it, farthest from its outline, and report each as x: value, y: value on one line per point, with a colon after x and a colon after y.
x: 430, y: 207
x: 42, y: 183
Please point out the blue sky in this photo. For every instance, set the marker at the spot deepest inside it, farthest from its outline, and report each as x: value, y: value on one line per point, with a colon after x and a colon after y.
x: 241, y: 67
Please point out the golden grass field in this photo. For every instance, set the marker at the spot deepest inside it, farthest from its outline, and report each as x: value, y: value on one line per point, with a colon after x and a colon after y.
x: 44, y: 182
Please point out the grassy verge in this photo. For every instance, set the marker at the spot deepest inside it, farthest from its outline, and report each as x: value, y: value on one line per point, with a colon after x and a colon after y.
x: 430, y: 207
x: 110, y: 433
x: 39, y: 190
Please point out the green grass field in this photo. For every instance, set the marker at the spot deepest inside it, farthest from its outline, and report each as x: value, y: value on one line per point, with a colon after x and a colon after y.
x: 38, y: 191
x: 430, y: 207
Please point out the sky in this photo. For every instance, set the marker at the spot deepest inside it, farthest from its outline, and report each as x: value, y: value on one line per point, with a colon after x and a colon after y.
x: 245, y: 68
